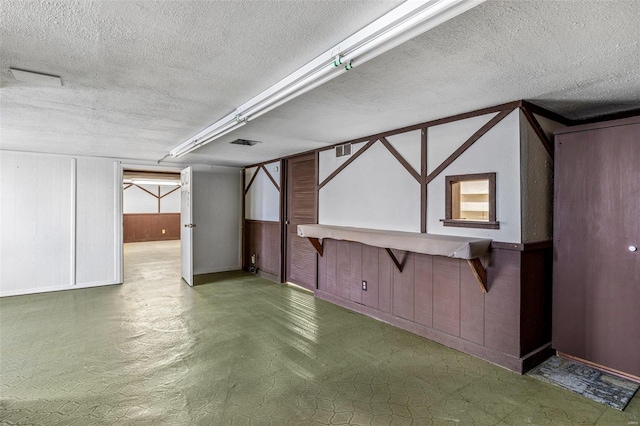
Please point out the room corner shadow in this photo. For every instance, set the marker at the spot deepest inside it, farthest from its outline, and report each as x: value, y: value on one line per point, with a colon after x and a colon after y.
x: 219, y: 276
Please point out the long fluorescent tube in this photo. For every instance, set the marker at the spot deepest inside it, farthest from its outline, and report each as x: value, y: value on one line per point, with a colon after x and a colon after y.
x: 394, y: 28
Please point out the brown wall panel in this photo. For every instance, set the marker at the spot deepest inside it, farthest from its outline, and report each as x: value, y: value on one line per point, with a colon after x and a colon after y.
x: 446, y: 295
x: 385, y: 280
x: 440, y: 297
x: 331, y: 253
x: 536, y: 290
x: 370, y: 275
x: 263, y: 239
x: 471, y: 307
x: 343, y: 273
x: 139, y: 227
x: 355, y: 279
x: 502, y: 302
x: 423, y: 300
x: 404, y: 285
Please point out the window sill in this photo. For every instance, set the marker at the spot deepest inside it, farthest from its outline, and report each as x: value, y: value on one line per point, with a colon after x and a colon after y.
x: 470, y: 224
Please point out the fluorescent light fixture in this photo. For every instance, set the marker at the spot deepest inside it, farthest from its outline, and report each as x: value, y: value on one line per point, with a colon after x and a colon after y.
x: 396, y: 27
x: 36, y: 77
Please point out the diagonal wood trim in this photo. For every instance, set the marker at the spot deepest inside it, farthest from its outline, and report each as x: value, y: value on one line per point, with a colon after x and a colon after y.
x: 479, y: 272
x: 535, y: 109
x: 316, y: 245
x: 508, y: 106
x: 148, y: 192
x: 127, y: 186
x: 458, y: 152
x: 423, y: 182
x: 251, y: 181
x: 401, y: 159
x: 273, y: 181
x: 173, y: 190
x: 394, y: 259
x: 548, y: 145
x: 346, y: 163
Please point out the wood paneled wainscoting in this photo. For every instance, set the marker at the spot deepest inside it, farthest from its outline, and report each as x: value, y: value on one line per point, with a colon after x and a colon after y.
x: 438, y: 297
x: 262, y: 238
x: 139, y: 227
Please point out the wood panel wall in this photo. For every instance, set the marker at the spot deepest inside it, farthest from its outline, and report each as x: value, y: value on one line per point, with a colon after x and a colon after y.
x: 139, y: 227
x: 262, y: 238
x: 438, y: 297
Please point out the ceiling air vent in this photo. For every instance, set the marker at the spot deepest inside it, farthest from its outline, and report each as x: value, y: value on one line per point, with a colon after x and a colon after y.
x: 343, y: 150
x: 244, y: 142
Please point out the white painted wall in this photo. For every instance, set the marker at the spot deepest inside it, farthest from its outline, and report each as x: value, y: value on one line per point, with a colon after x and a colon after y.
x: 328, y: 162
x: 497, y: 151
x: 262, y: 201
x: 169, y: 203
x: 409, y: 145
x: 138, y: 201
x: 216, y: 212
x: 57, y: 222
x: 443, y: 140
x: 375, y: 191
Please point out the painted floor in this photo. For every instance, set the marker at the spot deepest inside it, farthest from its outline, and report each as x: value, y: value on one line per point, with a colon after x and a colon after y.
x: 242, y: 350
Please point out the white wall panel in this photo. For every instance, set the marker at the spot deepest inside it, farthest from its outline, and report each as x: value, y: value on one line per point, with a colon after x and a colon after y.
x: 96, y: 229
x: 274, y: 170
x: 170, y: 203
x: 409, y: 145
x: 443, y: 140
x: 248, y: 174
x: 216, y: 213
x: 262, y: 200
x: 36, y: 199
x: 375, y: 191
x: 136, y: 200
x: 497, y: 151
x: 329, y: 163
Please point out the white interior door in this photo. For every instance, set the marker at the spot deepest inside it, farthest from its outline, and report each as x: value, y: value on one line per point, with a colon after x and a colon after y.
x: 186, y: 225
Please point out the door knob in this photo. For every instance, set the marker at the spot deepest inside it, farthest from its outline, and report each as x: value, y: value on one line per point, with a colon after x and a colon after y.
x: 189, y: 225
x: 633, y: 248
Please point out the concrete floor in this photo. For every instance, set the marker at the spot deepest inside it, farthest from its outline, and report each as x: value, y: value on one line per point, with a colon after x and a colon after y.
x: 242, y: 350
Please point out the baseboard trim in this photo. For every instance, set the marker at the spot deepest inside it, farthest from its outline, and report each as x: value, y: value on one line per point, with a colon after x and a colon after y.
x: 23, y: 292
x: 516, y: 364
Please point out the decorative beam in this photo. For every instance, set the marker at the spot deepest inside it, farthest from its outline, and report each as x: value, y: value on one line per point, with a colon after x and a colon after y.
x: 316, y: 245
x: 401, y: 159
x: 273, y: 181
x: 148, y: 192
x: 251, y: 181
x: 479, y: 272
x: 346, y: 163
x: 548, y: 145
x: 477, y: 135
x: 393, y: 257
x: 423, y: 181
x: 173, y: 190
x: 127, y: 186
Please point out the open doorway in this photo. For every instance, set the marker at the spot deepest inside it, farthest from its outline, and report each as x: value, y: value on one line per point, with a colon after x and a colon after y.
x: 151, y: 224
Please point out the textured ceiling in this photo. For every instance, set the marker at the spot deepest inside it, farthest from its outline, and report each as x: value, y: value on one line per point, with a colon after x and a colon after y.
x: 140, y: 78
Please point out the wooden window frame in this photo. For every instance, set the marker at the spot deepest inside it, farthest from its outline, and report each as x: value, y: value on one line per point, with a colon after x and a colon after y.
x: 449, y: 221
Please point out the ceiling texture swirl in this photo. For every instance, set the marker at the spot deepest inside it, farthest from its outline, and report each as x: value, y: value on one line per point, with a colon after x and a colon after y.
x: 141, y: 77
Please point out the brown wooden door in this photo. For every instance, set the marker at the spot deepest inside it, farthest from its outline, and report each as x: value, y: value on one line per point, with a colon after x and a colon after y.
x: 596, y: 306
x: 301, y: 260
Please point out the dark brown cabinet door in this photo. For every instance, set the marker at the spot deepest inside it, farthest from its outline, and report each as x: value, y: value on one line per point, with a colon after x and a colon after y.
x: 596, y: 306
x: 301, y: 261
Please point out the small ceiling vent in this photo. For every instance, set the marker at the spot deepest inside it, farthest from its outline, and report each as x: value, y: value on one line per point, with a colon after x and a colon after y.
x: 244, y: 142
x: 343, y: 150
